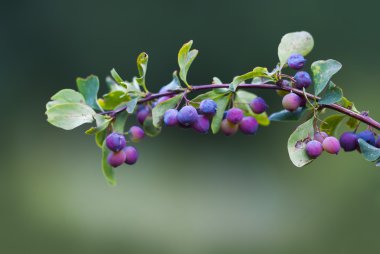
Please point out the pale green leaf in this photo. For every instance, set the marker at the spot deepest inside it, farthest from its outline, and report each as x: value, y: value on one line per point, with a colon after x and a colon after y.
x: 256, y: 72
x: 323, y: 70
x: 333, y: 94
x: 102, y: 122
x: 185, y: 59
x: 142, y: 66
x: 296, y: 42
x: 369, y: 152
x: 89, y: 88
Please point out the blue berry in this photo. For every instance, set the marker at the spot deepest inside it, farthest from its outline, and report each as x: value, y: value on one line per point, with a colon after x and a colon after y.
x: 202, y: 125
x: 303, y: 79
x: 296, y: 61
x: 131, y: 155
x: 248, y: 125
x: 170, y: 117
x: 258, y: 105
x: 348, y: 141
x: 235, y: 115
x: 208, y: 107
x: 115, y: 141
x: 187, y: 116
x: 314, y: 149
x: 367, y: 136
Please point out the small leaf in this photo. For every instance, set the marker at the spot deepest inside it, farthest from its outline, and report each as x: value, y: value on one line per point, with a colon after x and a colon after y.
x: 242, y: 100
x: 106, y: 168
x: 369, y: 152
x: 102, y: 123
x: 221, y: 102
x: 114, y: 99
x: 174, y: 85
x: 297, y: 42
x: 322, y: 73
x: 185, y: 59
x: 256, y: 72
x: 89, y: 88
x: 149, y: 128
x: 331, y: 123
x: 116, y: 76
x: 160, y: 109
x: 119, y: 124
x: 142, y: 66
x: 297, y: 143
x: 130, y: 105
x: 100, y: 137
x: 344, y: 102
x: 70, y: 115
x: 285, y: 115
x: 333, y: 94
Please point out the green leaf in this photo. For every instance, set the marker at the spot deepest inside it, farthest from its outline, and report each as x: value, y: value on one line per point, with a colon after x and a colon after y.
x: 221, y: 102
x: 285, y: 115
x: 331, y: 123
x: 149, y: 128
x: 297, y: 143
x: 102, y: 123
x: 333, y: 94
x: 242, y: 100
x: 322, y: 73
x: 297, y: 42
x: 106, y: 168
x: 113, y: 99
x: 100, y: 137
x: 68, y: 95
x: 369, y: 152
x: 213, y: 94
x: 160, y: 109
x: 89, y: 88
x: 142, y: 66
x: 70, y: 115
x: 185, y: 59
x: 174, y: 85
x: 256, y: 72
x: 344, y: 102
x: 352, y: 123
x: 119, y: 124
x: 116, y: 76
x: 131, y: 105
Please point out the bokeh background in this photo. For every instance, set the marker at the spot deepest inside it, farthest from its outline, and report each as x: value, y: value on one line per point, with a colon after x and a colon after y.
x: 189, y: 193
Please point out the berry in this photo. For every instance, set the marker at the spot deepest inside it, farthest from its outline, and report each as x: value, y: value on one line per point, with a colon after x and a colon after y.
x: 303, y: 79
x: 115, y: 159
x: 378, y: 143
x: 202, y: 125
x: 162, y: 99
x: 115, y: 141
x: 136, y: 133
x: 314, y: 149
x: 331, y: 145
x: 258, y: 105
x: 187, y: 116
x: 291, y: 101
x: 131, y: 155
x: 348, y: 141
x: 170, y: 117
x: 283, y: 83
x: 228, y: 128
x: 367, y: 136
x: 248, y: 125
x: 296, y: 61
x: 235, y: 115
x: 208, y: 107
x: 320, y: 136
x: 142, y: 114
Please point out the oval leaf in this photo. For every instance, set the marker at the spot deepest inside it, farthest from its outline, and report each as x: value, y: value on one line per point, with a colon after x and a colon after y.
x: 322, y: 73
x: 89, y: 88
x: 222, y: 103
x: 297, y: 42
x: 185, y: 59
x: 369, y: 152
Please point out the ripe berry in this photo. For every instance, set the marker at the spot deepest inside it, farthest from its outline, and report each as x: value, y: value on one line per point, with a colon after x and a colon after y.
x: 131, y: 155
x: 235, y: 115
x: 331, y: 145
x: 228, y: 128
x: 187, y: 115
x: 170, y: 117
x: 136, y: 133
x: 116, y: 159
x: 208, y: 107
x: 283, y: 83
x: 202, y: 125
x: 248, y: 125
x: 291, y: 101
x: 303, y: 79
x: 320, y: 136
x: 314, y: 149
x: 367, y: 136
x: 296, y: 61
x: 348, y: 141
x: 142, y: 114
x: 115, y: 141
x: 162, y: 99
x: 258, y: 105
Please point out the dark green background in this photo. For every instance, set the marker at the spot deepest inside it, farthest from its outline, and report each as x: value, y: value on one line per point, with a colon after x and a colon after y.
x: 189, y: 193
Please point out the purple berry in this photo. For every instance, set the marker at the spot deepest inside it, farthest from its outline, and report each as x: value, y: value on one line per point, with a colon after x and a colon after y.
x: 116, y: 159
x: 368, y: 137
x: 331, y: 145
x: 258, y: 105
x: 291, y: 101
x: 115, y: 141
x: 142, y: 114
x: 162, y: 99
x: 314, y: 149
x: 202, y: 125
x: 296, y: 61
x: 208, y: 107
x: 170, y: 117
x: 320, y: 136
x: 187, y: 116
x: 348, y: 141
x: 228, y: 128
x: 131, y: 155
x: 136, y: 133
x: 235, y: 115
x: 248, y: 125
x: 303, y: 79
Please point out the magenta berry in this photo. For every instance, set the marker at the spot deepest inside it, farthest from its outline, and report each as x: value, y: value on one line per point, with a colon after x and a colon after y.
x: 348, y: 141
x: 170, y: 117
x: 303, y: 79
x: 248, y: 125
x: 202, y: 125
x: 296, y: 61
x: 136, y: 133
x: 331, y: 145
x: 367, y: 136
x: 235, y: 115
x: 187, y: 116
x: 228, y: 128
x: 208, y: 107
x: 131, y: 155
x: 258, y: 105
x: 320, y: 136
x: 314, y: 149
x: 142, y: 114
x: 116, y: 159
x: 291, y: 101
x: 115, y: 141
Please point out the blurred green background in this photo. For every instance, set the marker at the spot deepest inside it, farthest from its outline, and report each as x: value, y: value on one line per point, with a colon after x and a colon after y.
x: 189, y: 193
